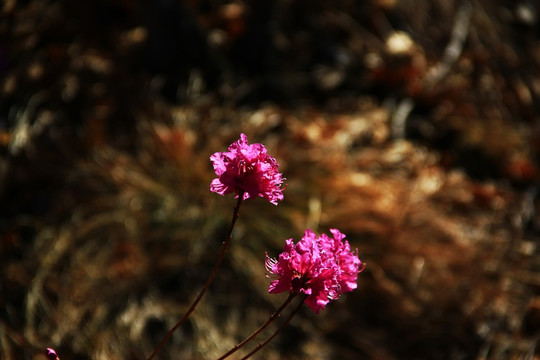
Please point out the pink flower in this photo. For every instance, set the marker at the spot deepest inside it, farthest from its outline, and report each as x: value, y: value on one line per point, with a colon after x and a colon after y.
x: 51, y: 354
x: 248, y: 169
x: 321, y: 267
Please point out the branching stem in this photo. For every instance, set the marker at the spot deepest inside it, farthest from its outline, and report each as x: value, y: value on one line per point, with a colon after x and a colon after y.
x: 263, y: 326
x: 224, y: 248
x: 277, y: 332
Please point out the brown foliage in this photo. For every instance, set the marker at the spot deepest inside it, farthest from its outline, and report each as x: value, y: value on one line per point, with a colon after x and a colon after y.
x: 410, y: 126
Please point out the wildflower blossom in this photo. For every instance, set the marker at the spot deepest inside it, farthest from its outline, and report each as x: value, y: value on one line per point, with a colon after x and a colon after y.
x: 51, y: 354
x: 321, y: 267
x: 247, y: 169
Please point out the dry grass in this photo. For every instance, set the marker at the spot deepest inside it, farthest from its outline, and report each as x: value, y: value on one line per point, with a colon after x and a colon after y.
x: 108, y: 227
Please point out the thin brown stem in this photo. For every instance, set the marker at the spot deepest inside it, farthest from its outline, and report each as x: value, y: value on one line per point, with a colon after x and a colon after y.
x: 224, y: 248
x: 276, y: 333
x: 263, y: 326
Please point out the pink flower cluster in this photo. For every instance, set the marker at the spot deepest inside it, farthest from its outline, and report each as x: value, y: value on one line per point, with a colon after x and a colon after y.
x: 51, y: 354
x: 247, y: 169
x: 321, y: 267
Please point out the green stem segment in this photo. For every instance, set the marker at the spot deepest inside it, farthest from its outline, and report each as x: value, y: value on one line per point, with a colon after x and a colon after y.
x: 277, y: 332
x: 258, y: 331
x: 224, y: 248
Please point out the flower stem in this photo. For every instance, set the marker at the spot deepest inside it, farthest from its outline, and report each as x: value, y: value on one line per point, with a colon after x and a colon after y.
x: 224, y: 248
x: 276, y: 332
x: 257, y: 332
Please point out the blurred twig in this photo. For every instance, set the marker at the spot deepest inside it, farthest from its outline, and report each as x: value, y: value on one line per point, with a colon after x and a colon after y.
x: 452, y: 51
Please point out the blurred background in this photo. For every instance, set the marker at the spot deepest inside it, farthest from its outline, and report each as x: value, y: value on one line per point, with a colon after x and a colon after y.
x: 411, y: 126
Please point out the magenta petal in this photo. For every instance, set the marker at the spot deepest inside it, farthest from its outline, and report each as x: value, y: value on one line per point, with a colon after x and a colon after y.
x: 279, y: 286
x: 247, y: 168
x: 51, y: 354
x: 320, y: 267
